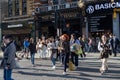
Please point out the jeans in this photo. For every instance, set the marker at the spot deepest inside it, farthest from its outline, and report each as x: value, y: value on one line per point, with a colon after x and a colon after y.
x: 61, y: 57
x: 90, y: 48
x: 32, y: 57
x: 66, y: 60
x: 7, y: 74
x: 53, y: 60
x: 86, y: 47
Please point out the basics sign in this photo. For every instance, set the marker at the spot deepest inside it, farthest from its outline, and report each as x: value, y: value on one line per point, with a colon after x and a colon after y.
x: 101, y: 8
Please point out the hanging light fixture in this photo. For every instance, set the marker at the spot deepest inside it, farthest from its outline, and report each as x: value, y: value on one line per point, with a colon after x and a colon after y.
x: 112, y: 1
x: 81, y: 3
x: 114, y: 14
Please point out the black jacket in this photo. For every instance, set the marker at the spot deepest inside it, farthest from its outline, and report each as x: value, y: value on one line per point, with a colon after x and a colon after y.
x: 32, y: 47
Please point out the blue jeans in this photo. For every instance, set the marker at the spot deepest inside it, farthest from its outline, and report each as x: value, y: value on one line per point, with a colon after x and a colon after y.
x: 7, y: 74
x: 90, y: 48
x: 61, y: 57
x: 53, y: 60
x: 32, y: 57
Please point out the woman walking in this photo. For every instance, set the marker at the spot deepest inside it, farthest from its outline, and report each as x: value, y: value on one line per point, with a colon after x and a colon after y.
x: 74, y: 44
x: 65, y: 50
x: 32, y: 48
x: 105, y: 49
x: 52, y: 52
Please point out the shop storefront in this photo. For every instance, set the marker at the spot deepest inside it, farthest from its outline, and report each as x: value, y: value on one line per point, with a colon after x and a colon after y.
x: 69, y: 21
x: 15, y: 28
x: 19, y: 30
x: 102, y: 18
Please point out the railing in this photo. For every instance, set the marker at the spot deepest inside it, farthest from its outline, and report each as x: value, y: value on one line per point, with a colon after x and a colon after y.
x: 58, y: 7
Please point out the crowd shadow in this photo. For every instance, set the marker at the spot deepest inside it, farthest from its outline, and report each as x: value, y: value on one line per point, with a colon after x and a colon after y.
x: 54, y: 75
x: 88, y: 68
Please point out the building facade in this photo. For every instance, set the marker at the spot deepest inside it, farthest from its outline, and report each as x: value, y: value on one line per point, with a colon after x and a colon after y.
x: 18, y: 19
x: 93, y: 20
x: 0, y: 19
x: 34, y: 18
x: 22, y: 17
x: 62, y: 16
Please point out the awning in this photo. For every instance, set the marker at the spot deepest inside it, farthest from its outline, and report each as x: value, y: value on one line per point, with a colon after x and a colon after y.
x: 17, y: 20
x: 16, y: 31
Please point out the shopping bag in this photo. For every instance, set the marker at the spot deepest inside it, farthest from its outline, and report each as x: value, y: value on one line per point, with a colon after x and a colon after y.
x: 80, y: 51
x: 73, y: 47
x: 71, y: 66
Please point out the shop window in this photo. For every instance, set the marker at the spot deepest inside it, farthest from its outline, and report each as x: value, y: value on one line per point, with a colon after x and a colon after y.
x: 16, y: 7
x: 63, y: 1
x: 9, y: 8
x: 55, y: 1
x: 24, y: 7
x: 9, y: 2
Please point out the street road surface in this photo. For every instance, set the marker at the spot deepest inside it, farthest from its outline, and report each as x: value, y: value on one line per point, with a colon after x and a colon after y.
x: 88, y: 70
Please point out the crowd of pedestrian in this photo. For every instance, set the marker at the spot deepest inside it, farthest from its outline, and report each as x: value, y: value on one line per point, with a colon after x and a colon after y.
x: 63, y: 49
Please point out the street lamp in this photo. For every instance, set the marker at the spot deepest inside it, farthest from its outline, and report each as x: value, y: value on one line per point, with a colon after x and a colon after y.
x: 81, y: 4
x: 34, y: 15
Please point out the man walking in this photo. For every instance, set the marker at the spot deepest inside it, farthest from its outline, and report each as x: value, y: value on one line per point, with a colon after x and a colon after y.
x: 114, y: 43
x: 8, y: 61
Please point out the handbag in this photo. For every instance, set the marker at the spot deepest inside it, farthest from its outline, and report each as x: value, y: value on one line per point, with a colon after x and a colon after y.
x: 110, y: 52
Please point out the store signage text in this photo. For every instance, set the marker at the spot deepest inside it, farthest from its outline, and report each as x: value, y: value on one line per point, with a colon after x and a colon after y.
x: 66, y: 15
x: 12, y: 26
x: 103, y: 6
x: 98, y: 23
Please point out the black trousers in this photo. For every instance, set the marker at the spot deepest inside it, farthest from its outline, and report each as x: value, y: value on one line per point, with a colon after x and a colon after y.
x: 74, y: 58
x: 66, y: 60
x: 115, y: 51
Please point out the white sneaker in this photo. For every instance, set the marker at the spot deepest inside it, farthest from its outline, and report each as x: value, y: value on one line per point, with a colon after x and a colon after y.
x: 67, y: 69
x: 64, y: 73
x: 33, y: 65
x: 53, y: 67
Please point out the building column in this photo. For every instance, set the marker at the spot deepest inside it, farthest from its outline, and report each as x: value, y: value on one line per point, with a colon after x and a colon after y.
x: 20, y: 7
x: 13, y: 8
x: 0, y: 20
x: 86, y: 27
x: 116, y: 26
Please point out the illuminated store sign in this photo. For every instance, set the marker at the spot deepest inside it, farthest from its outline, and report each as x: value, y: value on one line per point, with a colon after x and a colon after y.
x: 12, y: 26
x: 91, y: 8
